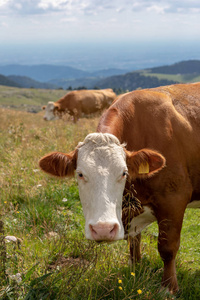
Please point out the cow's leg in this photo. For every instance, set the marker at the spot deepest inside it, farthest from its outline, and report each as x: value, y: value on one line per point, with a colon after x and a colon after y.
x: 135, y: 250
x: 75, y: 119
x: 170, y: 220
x: 76, y: 114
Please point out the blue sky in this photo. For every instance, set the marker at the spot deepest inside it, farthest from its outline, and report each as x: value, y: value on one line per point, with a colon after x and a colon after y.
x: 84, y: 22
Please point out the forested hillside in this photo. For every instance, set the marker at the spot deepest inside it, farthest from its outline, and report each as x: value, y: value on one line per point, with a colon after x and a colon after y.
x: 8, y: 82
x: 27, y: 82
x: 132, y: 81
x: 184, y: 67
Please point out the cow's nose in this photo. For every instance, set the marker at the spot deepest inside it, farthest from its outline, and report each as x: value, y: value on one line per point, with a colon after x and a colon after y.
x: 104, y: 231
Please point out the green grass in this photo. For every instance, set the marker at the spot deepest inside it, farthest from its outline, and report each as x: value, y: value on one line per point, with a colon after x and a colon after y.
x: 22, y: 98
x: 54, y: 259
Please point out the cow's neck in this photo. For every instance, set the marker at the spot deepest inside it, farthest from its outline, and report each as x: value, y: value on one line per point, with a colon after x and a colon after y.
x: 112, y: 122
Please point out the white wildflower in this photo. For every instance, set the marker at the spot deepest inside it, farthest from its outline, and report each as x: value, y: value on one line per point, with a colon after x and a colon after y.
x: 11, y: 238
x: 64, y: 200
x: 16, y: 277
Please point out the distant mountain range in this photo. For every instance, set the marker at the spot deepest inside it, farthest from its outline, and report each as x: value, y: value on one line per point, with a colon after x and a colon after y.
x: 27, y: 82
x: 42, y: 73
x: 54, y: 77
x: 45, y: 73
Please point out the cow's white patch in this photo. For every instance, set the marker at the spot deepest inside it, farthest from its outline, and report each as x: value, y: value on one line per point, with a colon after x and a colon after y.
x: 194, y: 204
x: 101, y: 166
x: 141, y: 221
x: 49, y: 114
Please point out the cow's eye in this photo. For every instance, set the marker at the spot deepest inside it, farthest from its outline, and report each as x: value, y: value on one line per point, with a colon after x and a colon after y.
x: 80, y: 175
x: 125, y: 173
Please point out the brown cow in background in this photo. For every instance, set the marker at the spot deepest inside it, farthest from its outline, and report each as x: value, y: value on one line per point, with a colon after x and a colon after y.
x: 79, y: 102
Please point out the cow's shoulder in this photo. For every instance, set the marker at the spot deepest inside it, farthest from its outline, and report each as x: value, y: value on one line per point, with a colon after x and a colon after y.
x: 179, y: 102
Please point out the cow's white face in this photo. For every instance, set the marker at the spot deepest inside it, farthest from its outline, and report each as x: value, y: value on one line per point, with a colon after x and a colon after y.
x: 101, y: 172
x: 102, y: 164
x: 49, y: 112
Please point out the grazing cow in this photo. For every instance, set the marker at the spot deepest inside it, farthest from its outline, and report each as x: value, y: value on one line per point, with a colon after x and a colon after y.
x: 77, y: 102
x: 148, y: 141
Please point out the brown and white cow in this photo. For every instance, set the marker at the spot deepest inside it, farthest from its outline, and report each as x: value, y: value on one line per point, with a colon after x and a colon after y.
x: 79, y: 102
x: 148, y: 141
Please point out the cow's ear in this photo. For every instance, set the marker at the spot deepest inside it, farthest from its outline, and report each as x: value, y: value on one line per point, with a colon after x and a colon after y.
x: 59, y: 164
x: 144, y: 163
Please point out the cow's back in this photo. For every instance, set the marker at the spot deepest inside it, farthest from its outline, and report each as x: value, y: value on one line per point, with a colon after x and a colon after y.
x: 95, y: 100
x: 186, y: 100
x: 67, y: 102
x: 89, y: 101
x: 108, y: 97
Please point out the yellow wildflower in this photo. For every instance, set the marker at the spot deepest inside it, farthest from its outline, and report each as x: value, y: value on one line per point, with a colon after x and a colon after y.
x: 119, y: 281
x: 86, y: 279
x: 133, y: 274
x: 5, y: 202
x: 120, y: 287
x: 139, y: 292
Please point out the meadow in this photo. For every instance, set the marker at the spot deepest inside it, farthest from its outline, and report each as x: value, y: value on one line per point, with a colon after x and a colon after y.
x: 50, y: 257
x: 27, y: 99
x: 179, y: 78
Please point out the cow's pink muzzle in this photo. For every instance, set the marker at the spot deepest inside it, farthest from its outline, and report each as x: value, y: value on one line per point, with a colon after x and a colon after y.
x: 104, y: 231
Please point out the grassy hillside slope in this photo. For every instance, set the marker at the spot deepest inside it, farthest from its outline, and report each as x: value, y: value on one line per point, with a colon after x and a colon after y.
x: 185, y: 71
x: 27, y: 99
x: 179, y: 78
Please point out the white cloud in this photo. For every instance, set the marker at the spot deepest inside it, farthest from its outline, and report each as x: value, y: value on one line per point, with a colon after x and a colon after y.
x: 158, y: 9
x: 93, y: 19
x: 170, y: 6
x: 68, y: 20
x: 4, y: 24
x: 120, y: 9
x: 53, y: 4
x: 3, y: 2
x: 85, y: 7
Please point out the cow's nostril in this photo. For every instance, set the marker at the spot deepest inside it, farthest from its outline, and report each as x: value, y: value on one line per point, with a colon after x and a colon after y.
x: 92, y: 229
x: 114, y: 230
